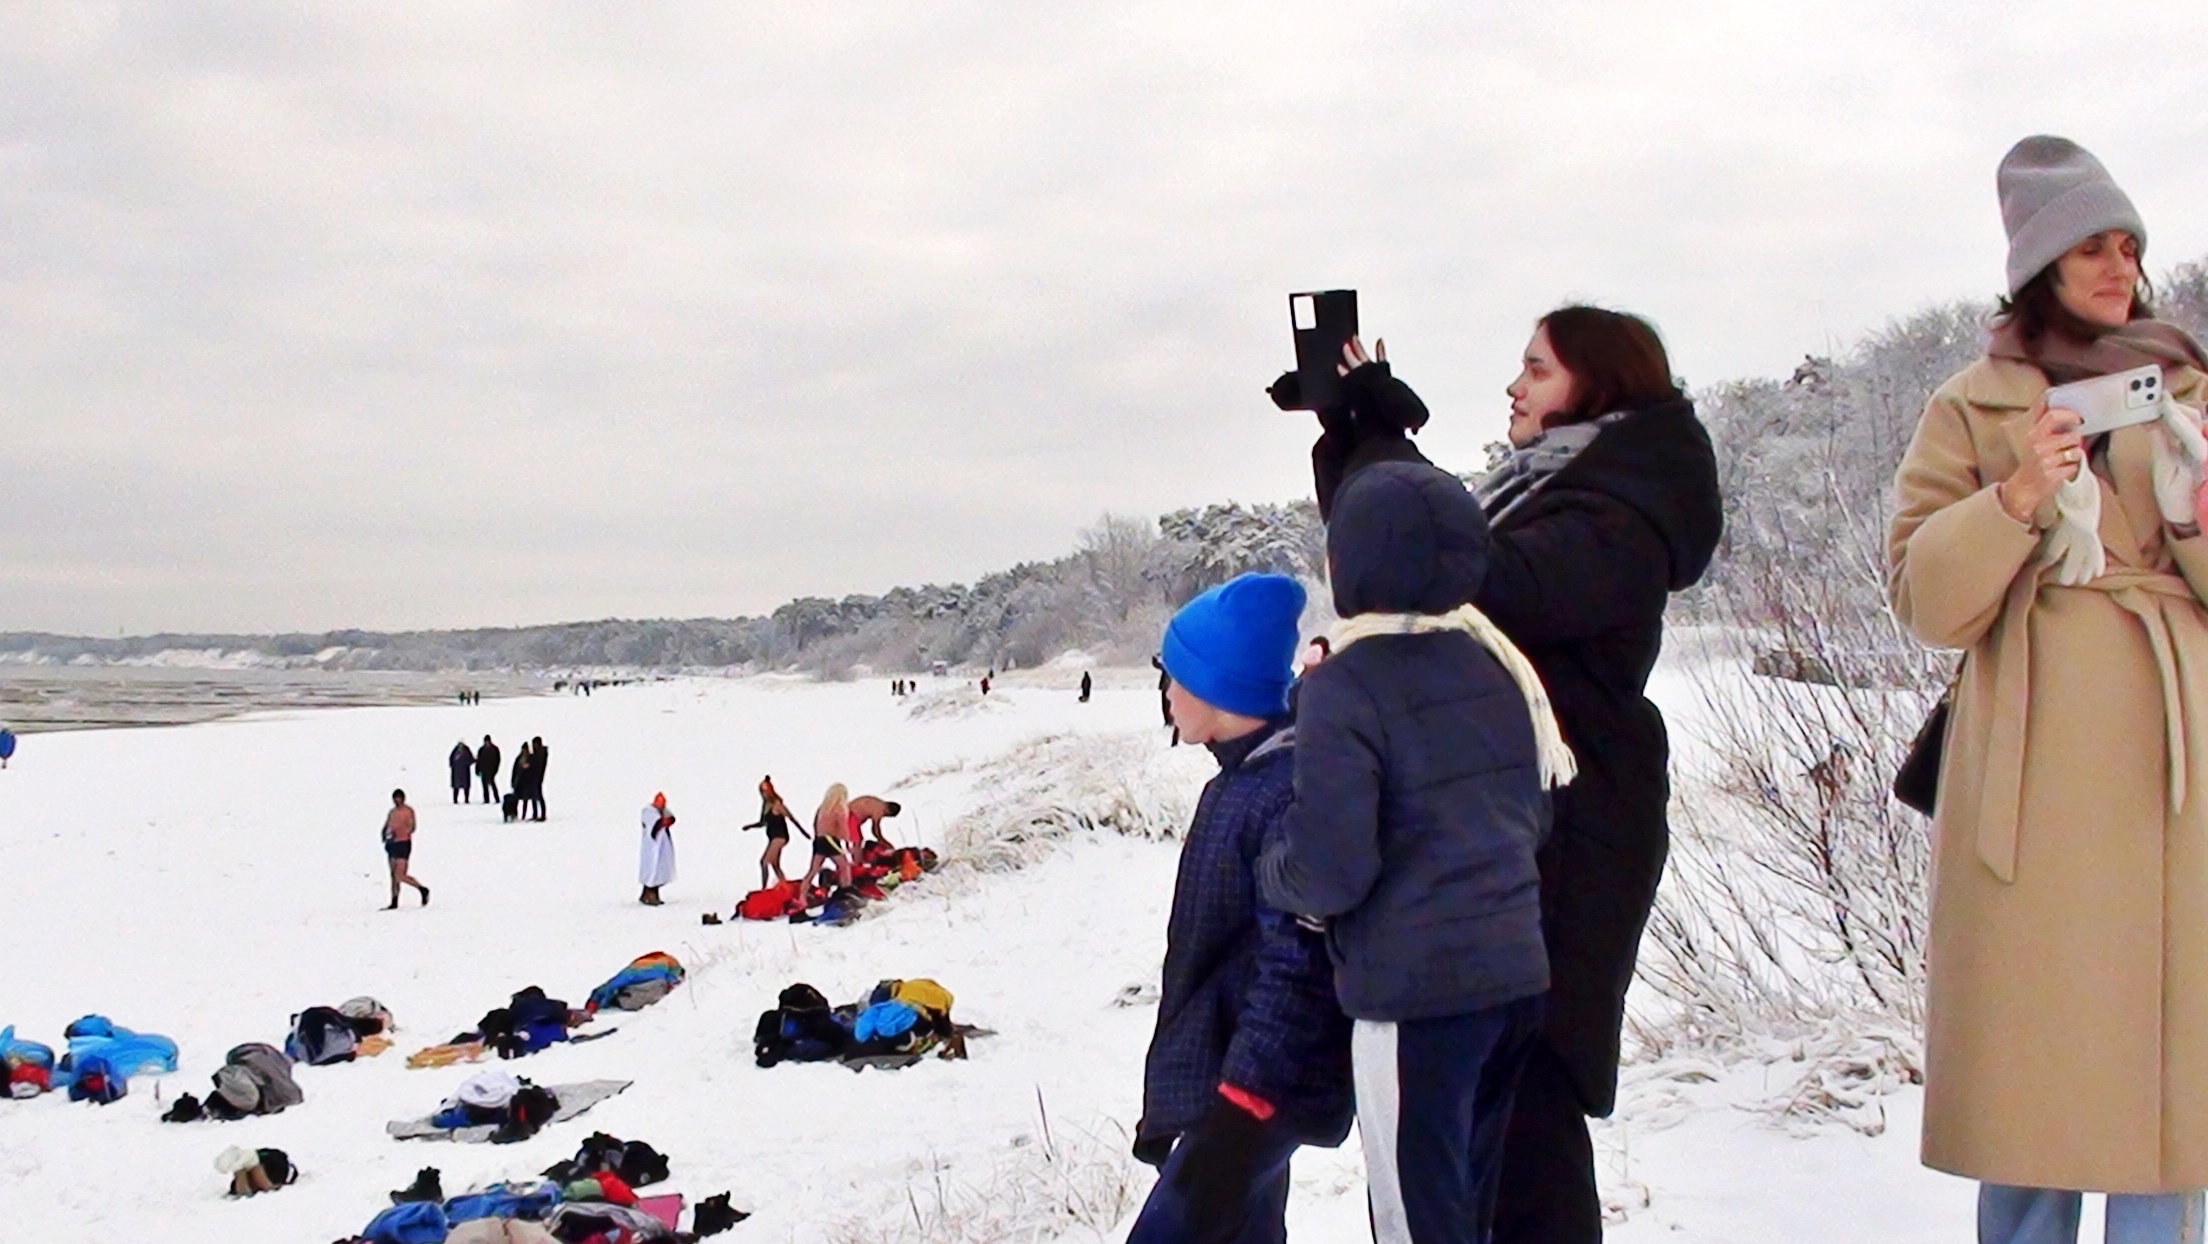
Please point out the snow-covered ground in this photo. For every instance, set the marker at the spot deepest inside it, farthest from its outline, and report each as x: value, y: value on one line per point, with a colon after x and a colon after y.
x: 208, y: 881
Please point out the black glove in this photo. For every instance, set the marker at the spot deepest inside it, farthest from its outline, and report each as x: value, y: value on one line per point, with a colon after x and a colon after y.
x: 1216, y: 1168
x: 1153, y: 1150
x: 1378, y: 401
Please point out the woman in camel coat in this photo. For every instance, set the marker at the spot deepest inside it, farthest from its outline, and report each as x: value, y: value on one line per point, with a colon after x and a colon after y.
x: 2067, y: 1031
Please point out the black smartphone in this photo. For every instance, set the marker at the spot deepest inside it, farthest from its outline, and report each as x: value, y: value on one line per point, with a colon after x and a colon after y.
x: 1324, y: 321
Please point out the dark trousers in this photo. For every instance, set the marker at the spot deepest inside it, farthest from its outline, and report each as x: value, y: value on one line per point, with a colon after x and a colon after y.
x: 1433, y: 1098
x: 490, y: 789
x: 460, y: 785
x: 1167, y: 1216
x: 1548, y: 1192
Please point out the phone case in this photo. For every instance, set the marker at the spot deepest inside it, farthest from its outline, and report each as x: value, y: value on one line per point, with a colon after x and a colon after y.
x: 2117, y: 400
x: 1323, y: 321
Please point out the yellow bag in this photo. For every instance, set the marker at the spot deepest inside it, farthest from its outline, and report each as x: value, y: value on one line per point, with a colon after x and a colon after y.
x: 924, y: 995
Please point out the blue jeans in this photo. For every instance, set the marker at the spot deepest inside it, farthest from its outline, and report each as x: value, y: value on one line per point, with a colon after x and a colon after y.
x: 1167, y: 1217
x: 2050, y: 1216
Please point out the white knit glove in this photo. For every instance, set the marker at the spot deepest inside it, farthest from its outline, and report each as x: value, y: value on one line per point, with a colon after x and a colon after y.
x: 2179, y: 453
x: 2073, y: 545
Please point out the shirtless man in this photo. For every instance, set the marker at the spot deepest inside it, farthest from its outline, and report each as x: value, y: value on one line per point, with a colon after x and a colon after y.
x: 398, y: 847
x: 871, y: 812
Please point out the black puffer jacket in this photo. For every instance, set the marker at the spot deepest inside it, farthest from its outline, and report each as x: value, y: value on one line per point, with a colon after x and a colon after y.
x: 1578, y: 576
x: 1418, y: 795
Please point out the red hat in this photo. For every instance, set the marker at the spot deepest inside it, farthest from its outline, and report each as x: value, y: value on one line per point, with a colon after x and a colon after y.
x: 660, y: 801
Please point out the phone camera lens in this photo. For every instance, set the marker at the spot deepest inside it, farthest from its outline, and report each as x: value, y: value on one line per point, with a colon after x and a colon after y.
x: 2135, y: 386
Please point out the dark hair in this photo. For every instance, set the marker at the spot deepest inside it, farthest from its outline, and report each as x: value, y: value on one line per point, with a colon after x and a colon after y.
x: 398, y: 795
x: 2036, y: 308
x: 1616, y: 360
x: 892, y: 808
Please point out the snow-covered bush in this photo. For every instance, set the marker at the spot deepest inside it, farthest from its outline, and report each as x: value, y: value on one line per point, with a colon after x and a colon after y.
x: 1129, y: 783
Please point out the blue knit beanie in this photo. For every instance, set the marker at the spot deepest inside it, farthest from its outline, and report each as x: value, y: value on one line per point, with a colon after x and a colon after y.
x: 1232, y: 646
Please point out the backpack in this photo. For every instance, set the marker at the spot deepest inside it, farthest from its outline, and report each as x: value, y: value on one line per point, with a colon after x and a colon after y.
x: 276, y: 1164
x: 640, y: 1165
x: 95, y: 1080
x: 415, y: 1222
x: 801, y: 1028
x: 526, y: 1114
x: 321, y: 1035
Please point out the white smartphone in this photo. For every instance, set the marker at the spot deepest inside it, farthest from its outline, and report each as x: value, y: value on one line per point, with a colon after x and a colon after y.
x: 2114, y: 401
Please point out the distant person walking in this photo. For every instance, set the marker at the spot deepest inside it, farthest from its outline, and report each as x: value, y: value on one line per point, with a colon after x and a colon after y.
x: 2067, y: 975
x: 775, y: 818
x: 655, y: 862
x: 486, y: 768
x: 1087, y: 685
x: 398, y: 848
x: 462, y: 763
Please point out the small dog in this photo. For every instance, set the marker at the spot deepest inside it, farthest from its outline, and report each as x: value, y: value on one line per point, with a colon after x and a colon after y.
x: 511, y: 806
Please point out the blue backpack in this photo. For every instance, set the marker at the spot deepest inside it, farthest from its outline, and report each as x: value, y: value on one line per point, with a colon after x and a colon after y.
x: 415, y: 1222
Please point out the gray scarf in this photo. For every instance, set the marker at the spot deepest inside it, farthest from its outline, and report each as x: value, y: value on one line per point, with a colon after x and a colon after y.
x: 1526, y: 469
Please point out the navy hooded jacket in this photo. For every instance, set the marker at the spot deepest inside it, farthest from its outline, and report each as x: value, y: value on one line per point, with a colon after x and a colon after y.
x: 1248, y: 998
x: 1418, y: 795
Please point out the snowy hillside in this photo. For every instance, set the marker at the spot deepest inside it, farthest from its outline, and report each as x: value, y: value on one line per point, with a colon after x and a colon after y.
x: 206, y: 882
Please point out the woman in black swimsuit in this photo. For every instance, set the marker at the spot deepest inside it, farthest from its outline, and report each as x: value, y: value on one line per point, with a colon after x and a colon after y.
x: 774, y: 817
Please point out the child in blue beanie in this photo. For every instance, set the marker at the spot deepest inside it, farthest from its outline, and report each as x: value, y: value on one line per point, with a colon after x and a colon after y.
x: 1250, y: 1059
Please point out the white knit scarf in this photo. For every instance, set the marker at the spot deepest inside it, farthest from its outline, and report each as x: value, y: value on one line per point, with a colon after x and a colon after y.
x: 1558, y: 765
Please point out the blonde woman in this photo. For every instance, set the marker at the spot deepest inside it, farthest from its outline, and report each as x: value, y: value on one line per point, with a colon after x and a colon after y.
x: 2066, y: 1038
x: 830, y: 824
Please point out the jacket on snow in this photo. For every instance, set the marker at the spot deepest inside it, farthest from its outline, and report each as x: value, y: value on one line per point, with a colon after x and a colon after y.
x: 1418, y: 792
x: 1578, y: 576
x: 1247, y: 997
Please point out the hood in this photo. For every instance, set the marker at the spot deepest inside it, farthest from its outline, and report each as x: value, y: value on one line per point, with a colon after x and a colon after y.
x: 1657, y: 460
x: 1406, y: 538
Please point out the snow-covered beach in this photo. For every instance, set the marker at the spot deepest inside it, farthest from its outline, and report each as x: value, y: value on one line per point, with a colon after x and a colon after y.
x: 207, y: 881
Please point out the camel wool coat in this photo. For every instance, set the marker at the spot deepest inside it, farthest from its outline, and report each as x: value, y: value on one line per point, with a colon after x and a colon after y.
x: 2066, y: 1038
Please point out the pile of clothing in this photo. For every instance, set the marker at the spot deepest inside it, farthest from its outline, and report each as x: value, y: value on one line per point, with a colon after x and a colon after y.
x: 26, y: 1067
x: 529, y: 1022
x: 591, y: 1198
x: 254, y: 1079
x: 321, y: 1035
x: 646, y: 980
x: 502, y: 1108
x: 896, y: 1024
x: 103, y: 1055
x: 877, y: 870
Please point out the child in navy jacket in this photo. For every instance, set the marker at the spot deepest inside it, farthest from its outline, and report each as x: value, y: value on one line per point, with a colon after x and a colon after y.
x: 1424, y: 747
x: 1251, y: 1055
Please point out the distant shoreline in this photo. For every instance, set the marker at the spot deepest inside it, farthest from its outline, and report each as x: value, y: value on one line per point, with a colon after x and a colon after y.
x: 48, y: 699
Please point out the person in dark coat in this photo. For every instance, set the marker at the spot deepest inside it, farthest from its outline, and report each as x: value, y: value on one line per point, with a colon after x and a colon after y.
x: 487, y: 759
x: 1424, y: 748
x: 1088, y: 684
x: 1607, y: 504
x: 462, y: 762
x: 1250, y: 1058
x: 536, y: 777
x: 519, y: 782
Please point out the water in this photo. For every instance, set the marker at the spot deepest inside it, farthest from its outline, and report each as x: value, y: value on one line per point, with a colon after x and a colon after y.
x: 34, y: 699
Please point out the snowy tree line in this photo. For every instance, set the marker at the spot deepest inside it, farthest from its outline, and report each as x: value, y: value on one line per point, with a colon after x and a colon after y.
x: 1111, y: 594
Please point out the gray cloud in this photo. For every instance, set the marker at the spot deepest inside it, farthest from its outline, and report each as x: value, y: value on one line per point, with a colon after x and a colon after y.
x: 495, y: 313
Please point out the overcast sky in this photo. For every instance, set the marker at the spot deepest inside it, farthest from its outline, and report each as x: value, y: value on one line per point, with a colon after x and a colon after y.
x: 470, y: 314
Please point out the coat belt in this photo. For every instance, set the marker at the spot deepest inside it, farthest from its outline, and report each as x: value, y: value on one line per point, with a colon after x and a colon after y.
x: 2144, y: 594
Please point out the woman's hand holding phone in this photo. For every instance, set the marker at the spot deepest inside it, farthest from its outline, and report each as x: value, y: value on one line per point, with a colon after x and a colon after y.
x: 2053, y: 453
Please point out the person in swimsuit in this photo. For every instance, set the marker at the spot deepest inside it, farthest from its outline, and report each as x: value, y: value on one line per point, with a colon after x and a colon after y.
x: 831, y: 823
x: 775, y: 818
x: 398, y: 847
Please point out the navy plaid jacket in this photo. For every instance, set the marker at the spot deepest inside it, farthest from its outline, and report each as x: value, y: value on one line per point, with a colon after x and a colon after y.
x: 1248, y: 994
